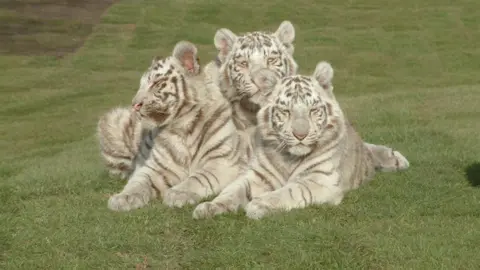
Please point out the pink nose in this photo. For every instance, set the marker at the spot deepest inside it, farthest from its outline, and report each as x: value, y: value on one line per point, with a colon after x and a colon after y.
x: 137, y: 106
x: 299, y: 135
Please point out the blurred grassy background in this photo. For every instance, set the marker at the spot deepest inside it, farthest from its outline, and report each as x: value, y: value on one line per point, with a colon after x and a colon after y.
x: 406, y: 75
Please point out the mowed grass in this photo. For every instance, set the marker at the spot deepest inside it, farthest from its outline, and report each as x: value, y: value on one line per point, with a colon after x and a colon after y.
x: 406, y: 75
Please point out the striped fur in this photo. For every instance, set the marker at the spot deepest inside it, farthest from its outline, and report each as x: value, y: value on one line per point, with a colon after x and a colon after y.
x: 121, y: 133
x: 196, y: 142
x: 241, y: 56
x: 306, y: 152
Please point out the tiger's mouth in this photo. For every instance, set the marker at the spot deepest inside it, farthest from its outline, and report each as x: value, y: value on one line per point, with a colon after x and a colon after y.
x: 300, y: 149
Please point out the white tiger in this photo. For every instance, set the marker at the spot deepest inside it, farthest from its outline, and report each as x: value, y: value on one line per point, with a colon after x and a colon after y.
x: 305, y: 151
x: 241, y: 56
x: 121, y: 133
x: 197, y: 138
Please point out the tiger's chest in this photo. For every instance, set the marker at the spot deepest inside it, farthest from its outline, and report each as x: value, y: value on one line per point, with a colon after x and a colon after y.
x: 245, y: 113
x: 183, y: 150
x: 173, y: 150
x: 291, y: 168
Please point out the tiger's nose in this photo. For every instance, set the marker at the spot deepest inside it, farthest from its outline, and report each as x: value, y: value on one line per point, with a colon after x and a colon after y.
x: 300, y: 126
x: 138, y: 106
x: 299, y: 135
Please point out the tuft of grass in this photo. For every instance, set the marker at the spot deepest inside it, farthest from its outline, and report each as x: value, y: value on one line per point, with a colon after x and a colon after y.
x: 406, y: 76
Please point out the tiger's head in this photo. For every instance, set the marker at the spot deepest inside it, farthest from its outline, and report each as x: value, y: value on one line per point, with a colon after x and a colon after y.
x: 163, y: 91
x: 301, y: 113
x: 243, y: 55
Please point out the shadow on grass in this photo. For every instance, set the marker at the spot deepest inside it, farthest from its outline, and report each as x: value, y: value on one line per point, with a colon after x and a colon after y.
x: 472, y: 173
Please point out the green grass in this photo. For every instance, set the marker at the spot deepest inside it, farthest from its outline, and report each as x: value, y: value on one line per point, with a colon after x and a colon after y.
x: 406, y: 75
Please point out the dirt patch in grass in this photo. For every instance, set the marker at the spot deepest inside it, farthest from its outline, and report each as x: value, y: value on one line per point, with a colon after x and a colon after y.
x: 47, y: 27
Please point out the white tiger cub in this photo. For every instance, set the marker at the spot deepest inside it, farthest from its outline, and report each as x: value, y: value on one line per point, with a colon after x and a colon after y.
x: 241, y: 56
x: 306, y: 152
x: 122, y: 134
x: 197, y: 140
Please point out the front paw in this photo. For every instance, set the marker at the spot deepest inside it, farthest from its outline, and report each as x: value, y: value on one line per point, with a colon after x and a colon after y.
x: 401, y: 161
x: 208, y: 210
x: 122, y: 174
x: 178, y: 198
x: 256, y: 209
x: 127, y: 202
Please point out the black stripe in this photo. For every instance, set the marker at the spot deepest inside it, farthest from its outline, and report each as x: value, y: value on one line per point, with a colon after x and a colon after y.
x: 206, y: 179
x: 263, y: 179
x: 323, y: 172
x: 195, y: 178
x: 171, y: 153
x: 157, y: 161
x: 309, y: 192
x: 207, y: 126
x: 115, y: 155
x: 248, y: 190
x: 212, y: 176
x: 291, y: 194
x: 218, y: 145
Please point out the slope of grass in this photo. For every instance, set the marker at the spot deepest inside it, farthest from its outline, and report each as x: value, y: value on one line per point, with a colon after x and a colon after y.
x: 406, y: 75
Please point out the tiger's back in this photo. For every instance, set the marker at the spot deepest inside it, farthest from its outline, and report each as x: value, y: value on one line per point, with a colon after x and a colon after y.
x: 356, y: 164
x: 120, y: 134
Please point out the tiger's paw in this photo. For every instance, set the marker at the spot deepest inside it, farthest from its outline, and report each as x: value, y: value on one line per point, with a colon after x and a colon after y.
x: 208, y: 210
x: 400, y: 161
x: 178, y: 198
x: 126, y: 202
x: 256, y: 209
x: 122, y: 174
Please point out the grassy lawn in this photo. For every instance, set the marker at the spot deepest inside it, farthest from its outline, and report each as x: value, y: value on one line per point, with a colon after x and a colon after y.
x: 407, y: 75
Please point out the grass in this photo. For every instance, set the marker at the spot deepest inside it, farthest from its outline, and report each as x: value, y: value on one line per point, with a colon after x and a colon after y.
x: 406, y: 75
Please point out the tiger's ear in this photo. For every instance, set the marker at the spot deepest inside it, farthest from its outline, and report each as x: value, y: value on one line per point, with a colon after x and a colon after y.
x: 286, y: 35
x: 224, y: 40
x: 186, y: 53
x: 324, y: 74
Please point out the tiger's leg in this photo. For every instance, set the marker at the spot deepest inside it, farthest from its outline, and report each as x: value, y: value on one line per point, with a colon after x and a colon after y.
x: 200, y: 185
x: 234, y: 196
x: 204, y: 182
x: 386, y: 159
x: 139, y: 190
x: 119, y: 132
x: 315, y: 189
x: 223, y: 166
